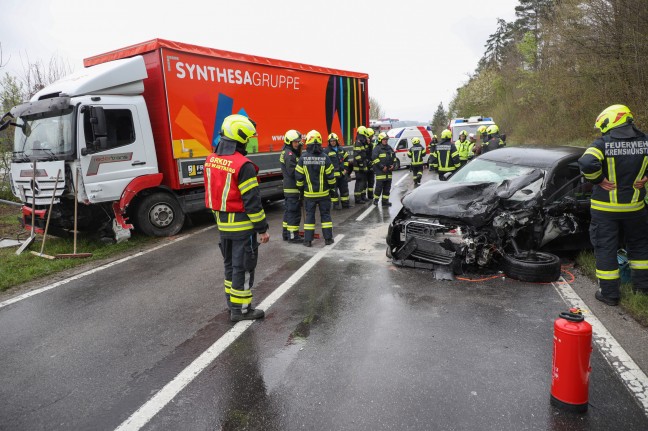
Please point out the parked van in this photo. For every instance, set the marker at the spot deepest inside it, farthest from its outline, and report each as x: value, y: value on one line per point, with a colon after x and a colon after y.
x: 400, y: 139
x: 470, y: 125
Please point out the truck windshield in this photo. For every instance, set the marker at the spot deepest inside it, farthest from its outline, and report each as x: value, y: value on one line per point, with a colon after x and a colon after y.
x: 45, y: 136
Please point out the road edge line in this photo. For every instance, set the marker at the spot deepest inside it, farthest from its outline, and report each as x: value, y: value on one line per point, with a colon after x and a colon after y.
x: 153, y: 406
x: 626, y: 368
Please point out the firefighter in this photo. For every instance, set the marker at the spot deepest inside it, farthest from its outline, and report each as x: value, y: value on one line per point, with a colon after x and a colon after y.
x: 464, y: 147
x: 433, y: 144
x: 340, y: 160
x: 475, y: 148
x: 360, y: 165
x: 315, y: 175
x: 416, y: 153
x: 446, y: 157
x: 616, y: 164
x: 493, y: 140
x: 483, y: 136
x: 371, y: 177
x: 383, y: 165
x: 288, y: 160
x: 232, y: 193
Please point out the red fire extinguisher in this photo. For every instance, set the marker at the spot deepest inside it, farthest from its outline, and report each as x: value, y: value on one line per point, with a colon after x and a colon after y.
x: 571, y: 361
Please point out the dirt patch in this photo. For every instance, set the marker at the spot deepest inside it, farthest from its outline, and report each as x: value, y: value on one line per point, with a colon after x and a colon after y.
x: 9, y: 226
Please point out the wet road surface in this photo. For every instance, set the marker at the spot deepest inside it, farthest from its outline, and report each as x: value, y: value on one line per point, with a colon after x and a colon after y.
x: 355, y: 344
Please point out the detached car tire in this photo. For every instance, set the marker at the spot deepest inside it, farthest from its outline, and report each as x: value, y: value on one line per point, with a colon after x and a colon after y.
x: 159, y: 214
x: 533, y: 266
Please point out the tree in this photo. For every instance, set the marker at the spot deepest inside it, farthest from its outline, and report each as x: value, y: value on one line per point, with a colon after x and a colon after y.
x: 37, y: 75
x: 10, y: 96
x: 375, y: 110
x: 496, y: 45
x: 439, y: 120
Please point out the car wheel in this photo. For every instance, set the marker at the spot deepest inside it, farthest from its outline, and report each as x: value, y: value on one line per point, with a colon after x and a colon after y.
x: 533, y: 266
x: 159, y: 214
x: 397, y: 165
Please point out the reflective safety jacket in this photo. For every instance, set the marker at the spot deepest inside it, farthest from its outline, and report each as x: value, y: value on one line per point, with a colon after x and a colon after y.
x: 339, y: 158
x: 621, y: 156
x: 465, y: 149
x: 360, y: 149
x: 288, y: 160
x: 383, y: 157
x: 446, y: 156
x: 416, y: 153
x: 315, y: 174
x: 232, y: 193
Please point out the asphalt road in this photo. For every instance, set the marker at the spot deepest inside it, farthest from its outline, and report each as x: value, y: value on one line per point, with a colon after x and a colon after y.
x: 354, y: 344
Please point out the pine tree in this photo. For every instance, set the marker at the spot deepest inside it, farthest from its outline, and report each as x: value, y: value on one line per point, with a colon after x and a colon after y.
x: 439, y: 120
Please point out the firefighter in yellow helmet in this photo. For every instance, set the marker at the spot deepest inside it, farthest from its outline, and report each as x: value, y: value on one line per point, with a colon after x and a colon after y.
x: 371, y: 176
x: 340, y: 159
x: 616, y: 164
x: 383, y: 162
x: 233, y: 196
x: 445, y: 159
x: 464, y: 147
x: 416, y: 154
x: 315, y: 176
x: 288, y: 161
x: 360, y: 166
x: 494, y: 140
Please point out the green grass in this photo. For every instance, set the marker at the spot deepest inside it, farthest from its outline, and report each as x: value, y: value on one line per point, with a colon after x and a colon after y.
x: 634, y: 304
x: 18, y: 269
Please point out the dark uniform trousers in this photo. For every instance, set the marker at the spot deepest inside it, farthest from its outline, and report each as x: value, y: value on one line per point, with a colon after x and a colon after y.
x: 341, y: 191
x: 360, y: 182
x: 310, y: 206
x: 292, y: 214
x: 240, y: 257
x: 383, y: 185
x: 371, y: 179
x: 417, y: 173
x: 604, y: 234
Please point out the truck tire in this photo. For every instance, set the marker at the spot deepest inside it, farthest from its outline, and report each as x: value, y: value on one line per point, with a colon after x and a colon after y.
x: 159, y: 214
x: 533, y: 266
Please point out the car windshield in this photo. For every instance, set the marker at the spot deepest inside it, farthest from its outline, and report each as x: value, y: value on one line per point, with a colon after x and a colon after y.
x: 489, y: 171
x: 45, y: 136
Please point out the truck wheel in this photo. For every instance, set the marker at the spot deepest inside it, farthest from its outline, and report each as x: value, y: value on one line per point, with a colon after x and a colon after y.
x: 533, y: 266
x: 159, y: 214
x: 397, y: 165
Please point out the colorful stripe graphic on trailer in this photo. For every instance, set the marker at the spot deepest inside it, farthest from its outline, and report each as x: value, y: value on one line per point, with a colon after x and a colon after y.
x: 346, y: 102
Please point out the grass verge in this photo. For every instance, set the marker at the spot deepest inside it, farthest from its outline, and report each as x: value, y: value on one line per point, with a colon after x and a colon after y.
x: 18, y: 269
x: 634, y: 304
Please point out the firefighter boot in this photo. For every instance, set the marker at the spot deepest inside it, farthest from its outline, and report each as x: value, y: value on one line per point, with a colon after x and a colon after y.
x: 329, y: 241
x: 295, y: 238
x: 308, y: 243
x: 386, y: 203
x: 236, y: 315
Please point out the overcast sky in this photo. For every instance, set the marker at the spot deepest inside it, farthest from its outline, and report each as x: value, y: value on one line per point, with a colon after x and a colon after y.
x: 416, y: 52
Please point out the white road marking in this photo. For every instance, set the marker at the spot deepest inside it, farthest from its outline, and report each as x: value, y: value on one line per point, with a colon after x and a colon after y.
x: 97, y: 269
x: 371, y: 207
x: 632, y: 376
x: 153, y: 406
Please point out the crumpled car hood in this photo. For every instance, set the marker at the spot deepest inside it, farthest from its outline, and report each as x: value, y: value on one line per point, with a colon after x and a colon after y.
x: 473, y: 203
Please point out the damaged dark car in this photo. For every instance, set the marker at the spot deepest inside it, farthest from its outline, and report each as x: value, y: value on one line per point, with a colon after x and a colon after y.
x: 508, y: 210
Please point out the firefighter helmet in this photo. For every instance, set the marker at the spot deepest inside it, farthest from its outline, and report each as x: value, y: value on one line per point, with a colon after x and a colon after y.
x: 333, y: 137
x: 492, y: 129
x: 446, y: 134
x: 382, y: 136
x: 370, y: 132
x: 362, y: 130
x: 416, y: 141
x: 482, y: 130
x: 238, y: 128
x: 313, y: 137
x: 464, y: 133
x: 292, y: 136
x: 613, y: 116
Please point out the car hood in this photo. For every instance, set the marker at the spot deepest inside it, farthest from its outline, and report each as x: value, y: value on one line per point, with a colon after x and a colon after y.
x: 473, y: 203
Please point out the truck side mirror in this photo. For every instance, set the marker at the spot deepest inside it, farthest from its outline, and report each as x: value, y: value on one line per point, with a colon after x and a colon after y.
x: 98, y: 122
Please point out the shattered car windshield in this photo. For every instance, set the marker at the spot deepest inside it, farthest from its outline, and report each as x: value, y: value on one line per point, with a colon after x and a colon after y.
x: 480, y: 170
x: 47, y: 136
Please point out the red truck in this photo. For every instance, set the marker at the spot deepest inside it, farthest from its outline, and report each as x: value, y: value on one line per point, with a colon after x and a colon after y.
x: 130, y: 132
